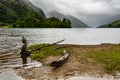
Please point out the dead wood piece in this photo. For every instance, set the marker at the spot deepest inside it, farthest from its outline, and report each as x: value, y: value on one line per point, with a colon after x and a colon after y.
x: 61, y: 61
x: 60, y: 47
x: 31, y: 51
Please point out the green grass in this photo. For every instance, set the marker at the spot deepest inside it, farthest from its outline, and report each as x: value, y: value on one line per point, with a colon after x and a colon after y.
x: 47, y: 51
x: 110, y: 58
x: 5, y: 27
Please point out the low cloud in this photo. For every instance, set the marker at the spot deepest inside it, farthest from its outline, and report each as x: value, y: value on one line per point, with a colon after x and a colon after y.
x: 92, y: 12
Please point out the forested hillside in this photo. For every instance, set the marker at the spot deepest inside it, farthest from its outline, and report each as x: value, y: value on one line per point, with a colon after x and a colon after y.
x: 12, y: 10
x: 23, y: 14
x: 114, y: 24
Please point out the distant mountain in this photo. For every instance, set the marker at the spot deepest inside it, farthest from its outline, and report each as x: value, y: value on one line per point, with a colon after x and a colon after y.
x: 13, y: 10
x: 114, y: 24
x: 76, y: 23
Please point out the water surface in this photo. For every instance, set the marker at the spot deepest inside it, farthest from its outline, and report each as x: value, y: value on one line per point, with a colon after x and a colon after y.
x: 11, y: 38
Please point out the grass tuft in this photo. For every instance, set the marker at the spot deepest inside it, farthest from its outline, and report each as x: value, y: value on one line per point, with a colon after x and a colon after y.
x: 47, y: 51
x: 110, y: 57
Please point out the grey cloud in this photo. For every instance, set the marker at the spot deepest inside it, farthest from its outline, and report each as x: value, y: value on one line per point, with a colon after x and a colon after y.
x: 92, y: 12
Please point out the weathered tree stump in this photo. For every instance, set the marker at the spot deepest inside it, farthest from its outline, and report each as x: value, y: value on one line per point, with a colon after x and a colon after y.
x: 24, y: 53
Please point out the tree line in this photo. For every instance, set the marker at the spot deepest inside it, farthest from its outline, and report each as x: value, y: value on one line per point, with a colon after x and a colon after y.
x: 42, y: 23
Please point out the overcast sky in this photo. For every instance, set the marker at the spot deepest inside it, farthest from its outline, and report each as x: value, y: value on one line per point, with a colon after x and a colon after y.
x: 91, y: 12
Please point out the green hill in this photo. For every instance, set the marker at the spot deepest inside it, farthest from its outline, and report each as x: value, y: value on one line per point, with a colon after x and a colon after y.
x: 114, y: 24
x: 23, y: 14
x: 13, y: 10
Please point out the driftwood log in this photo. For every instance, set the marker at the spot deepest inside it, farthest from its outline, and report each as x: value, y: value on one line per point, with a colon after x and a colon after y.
x: 31, y: 51
x: 61, y: 60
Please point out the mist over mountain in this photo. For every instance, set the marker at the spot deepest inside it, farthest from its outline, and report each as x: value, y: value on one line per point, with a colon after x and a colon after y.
x: 35, y: 8
x: 75, y: 23
x: 92, y: 12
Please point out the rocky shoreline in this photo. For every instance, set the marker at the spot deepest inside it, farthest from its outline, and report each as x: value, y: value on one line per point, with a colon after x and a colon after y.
x: 73, y: 69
